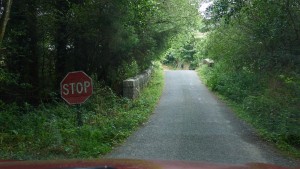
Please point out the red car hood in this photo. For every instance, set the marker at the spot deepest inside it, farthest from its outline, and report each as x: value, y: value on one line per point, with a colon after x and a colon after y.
x: 125, y: 164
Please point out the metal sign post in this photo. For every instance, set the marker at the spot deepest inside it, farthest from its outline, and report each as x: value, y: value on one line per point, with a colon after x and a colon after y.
x: 75, y: 89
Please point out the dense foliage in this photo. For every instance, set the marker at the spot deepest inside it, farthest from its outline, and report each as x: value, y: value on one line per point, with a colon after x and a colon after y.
x: 256, y: 48
x: 181, y: 54
x: 111, y: 39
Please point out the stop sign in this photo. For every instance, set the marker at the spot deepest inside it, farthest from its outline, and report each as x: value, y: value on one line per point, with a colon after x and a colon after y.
x: 76, y: 87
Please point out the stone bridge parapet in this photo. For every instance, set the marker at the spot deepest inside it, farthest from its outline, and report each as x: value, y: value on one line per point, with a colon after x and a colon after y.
x: 133, y: 86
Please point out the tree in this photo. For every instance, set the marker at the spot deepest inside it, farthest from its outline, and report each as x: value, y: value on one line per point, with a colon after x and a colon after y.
x: 269, y: 29
x: 256, y: 48
x: 110, y: 39
x: 21, y: 54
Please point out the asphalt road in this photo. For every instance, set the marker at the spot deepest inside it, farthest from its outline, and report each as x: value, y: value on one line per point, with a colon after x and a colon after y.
x: 191, y: 124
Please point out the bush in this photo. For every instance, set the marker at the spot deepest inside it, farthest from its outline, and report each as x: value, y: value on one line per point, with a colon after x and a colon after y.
x: 124, y: 71
x: 236, y: 85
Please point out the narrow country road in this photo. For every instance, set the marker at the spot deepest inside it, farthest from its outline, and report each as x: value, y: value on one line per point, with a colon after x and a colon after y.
x: 191, y: 124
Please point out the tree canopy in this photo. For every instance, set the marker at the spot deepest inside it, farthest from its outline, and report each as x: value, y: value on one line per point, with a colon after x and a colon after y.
x: 111, y: 40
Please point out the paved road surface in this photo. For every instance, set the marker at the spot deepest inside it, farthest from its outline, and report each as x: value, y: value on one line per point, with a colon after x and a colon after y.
x: 191, y: 124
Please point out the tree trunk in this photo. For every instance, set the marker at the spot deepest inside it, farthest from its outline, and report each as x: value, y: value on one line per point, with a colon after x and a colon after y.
x: 61, y: 40
x: 33, y: 55
x: 4, y: 19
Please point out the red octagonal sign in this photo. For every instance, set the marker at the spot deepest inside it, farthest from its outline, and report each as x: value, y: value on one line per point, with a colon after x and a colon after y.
x: 76, y: 87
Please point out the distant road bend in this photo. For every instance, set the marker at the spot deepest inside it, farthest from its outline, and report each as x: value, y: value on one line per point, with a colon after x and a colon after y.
x: 191, y: 124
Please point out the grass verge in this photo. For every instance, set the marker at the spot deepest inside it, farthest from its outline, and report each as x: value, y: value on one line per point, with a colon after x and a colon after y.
x: 274, y: 113
x: 51, y: 131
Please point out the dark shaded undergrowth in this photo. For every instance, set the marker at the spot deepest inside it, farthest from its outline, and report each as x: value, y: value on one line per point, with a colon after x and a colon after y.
x: 51, y: 131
